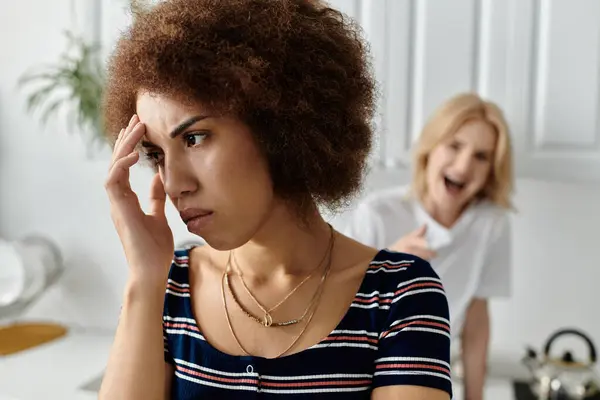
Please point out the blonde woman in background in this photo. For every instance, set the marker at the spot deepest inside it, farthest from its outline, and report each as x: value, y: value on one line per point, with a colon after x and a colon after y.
x: 456, y: 215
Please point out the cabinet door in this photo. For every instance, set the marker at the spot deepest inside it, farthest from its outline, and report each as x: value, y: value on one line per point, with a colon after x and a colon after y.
x: 538, y: 59
x: 553, y: 77
x: 424, y: 52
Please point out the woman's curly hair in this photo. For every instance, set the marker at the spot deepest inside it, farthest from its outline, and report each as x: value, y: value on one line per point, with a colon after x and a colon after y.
x: 296, y: 71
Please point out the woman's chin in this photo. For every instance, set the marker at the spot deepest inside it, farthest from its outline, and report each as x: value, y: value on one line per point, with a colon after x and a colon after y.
x: 224, y: 241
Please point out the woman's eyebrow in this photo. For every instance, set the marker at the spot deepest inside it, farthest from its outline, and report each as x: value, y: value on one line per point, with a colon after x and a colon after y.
x: 186, y: 124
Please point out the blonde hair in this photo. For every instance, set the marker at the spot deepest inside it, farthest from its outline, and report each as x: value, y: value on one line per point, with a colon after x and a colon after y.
x: 445, y: 121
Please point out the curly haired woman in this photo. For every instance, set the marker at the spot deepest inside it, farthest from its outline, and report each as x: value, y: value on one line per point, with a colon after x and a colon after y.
x: 255, y: 114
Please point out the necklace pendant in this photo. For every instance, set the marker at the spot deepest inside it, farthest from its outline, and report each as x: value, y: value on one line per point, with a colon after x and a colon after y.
x: 267, y: 320
x: 287, y: 323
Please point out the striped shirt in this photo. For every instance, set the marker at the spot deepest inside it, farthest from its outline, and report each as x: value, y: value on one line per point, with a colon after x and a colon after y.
x: 396, y: 332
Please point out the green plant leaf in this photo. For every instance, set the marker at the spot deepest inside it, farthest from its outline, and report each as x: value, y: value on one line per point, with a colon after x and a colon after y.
x: 80, y: 75
x: 35, y: 99
x: 50, y: 109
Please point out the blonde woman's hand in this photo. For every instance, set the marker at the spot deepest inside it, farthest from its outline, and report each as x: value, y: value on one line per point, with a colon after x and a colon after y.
x: 146, y: 238
x: 415, y: 243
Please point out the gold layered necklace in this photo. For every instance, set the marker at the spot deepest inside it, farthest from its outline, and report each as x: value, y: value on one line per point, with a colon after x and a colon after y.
x: 267, y: 319
x: 309, y: 312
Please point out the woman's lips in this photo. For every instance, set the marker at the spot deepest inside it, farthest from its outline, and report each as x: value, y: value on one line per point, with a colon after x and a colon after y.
x: 195, y: 218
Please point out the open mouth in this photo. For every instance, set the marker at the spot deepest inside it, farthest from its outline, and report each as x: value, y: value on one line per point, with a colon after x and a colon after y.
x: 453, y: 185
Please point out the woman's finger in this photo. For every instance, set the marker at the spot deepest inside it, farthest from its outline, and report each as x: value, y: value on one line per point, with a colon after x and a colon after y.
x: 125, y: 133
x: 425, y: 254
x: 117, y: 184
x: 120, y: 137
x: 130, y: 140
x: 418, y: 242
x: 116, y: 145
x: 158, y: 197
x: 420, y: 231
x: 428, y: 255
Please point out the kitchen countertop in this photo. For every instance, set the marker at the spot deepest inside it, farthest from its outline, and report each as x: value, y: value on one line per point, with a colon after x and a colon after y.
x: 59, y: 370
x: 56, y: 370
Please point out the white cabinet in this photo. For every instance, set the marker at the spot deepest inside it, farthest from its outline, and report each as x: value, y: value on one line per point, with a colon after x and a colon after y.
x: 538, y: 59
x: 552, y: 98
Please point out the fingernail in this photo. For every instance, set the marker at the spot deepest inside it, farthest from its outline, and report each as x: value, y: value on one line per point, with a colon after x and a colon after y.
x: 132, y: 118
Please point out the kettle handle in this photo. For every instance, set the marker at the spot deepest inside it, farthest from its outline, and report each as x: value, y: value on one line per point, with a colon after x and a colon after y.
x: 555, y: 335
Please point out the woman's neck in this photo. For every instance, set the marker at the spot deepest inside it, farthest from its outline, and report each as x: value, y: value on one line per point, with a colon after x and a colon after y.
x: 285, y: 246
x: 445, y: 216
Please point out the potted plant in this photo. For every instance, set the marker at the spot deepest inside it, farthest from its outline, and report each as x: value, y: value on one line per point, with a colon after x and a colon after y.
x: 76, y: 83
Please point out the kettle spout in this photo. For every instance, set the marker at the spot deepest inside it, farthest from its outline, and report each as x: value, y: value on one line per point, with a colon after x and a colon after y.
x: 530, y: 360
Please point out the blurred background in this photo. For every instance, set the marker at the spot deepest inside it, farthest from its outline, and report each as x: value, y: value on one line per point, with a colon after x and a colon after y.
x: 538, y: 59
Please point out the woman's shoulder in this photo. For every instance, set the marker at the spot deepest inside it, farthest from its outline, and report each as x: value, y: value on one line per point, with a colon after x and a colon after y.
x: 390, y: 260
x: 407, y: 292
x: 180, y: 265
x: 182, y: 255
x: 491, y: 213
x: 181, y: 261
x: 397, y: 269
x: 189, y: 256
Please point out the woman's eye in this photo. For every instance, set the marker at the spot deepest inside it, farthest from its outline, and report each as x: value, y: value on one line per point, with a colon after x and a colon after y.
x: 454, y: 146
x: 194, y: 139
x: 482, y: 157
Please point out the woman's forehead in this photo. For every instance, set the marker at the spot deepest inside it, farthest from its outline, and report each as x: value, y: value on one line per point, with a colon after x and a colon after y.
x: 160, y: 105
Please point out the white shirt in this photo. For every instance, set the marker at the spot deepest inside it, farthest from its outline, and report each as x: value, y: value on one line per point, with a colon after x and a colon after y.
x: 473, y: 257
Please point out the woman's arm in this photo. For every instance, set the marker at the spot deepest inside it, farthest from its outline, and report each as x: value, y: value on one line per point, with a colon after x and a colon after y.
x: 409, y: 393
x: 169, y: 371
x: 136, y: 367
x: 495, y: 282
x: 475, y: 339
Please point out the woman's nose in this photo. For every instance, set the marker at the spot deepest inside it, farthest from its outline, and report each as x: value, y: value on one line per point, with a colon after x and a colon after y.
x: 178, y: 179
x: 463, y: 163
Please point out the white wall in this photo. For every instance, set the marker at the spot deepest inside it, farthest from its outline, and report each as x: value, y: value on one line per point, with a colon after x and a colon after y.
x: 47, y: 185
